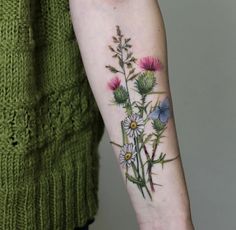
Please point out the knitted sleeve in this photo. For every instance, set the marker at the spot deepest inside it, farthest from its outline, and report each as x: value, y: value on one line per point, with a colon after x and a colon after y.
x: 50, y: 125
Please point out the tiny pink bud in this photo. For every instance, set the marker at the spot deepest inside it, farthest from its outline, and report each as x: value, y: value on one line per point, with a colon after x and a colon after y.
x: 114, y: 83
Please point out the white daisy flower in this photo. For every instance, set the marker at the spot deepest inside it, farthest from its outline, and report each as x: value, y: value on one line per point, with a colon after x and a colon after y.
x: 127, y: 154
x: 134, y: 125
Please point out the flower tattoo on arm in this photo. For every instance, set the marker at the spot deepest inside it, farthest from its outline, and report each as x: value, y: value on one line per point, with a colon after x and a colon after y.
x: 134, y: 155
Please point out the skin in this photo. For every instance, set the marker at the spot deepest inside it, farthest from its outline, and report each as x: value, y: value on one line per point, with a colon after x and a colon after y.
x: 94, y: 23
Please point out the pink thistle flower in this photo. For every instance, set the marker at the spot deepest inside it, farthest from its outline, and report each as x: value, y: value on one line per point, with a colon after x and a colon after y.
x: 150, y: 63
x: 114, y: 83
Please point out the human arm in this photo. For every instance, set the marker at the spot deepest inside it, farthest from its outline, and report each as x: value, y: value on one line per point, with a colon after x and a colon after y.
x: 123, y: 47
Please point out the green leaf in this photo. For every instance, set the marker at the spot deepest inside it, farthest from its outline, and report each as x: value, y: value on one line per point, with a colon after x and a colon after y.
x: 118, y: 30
x: 129, y: 55
x: 133, y: 59
x: 147, y: 139
x: 127, y: 40
x: 114, y: 143
x: 115, y: 40
x: 111, y: 48
x: 135, y: 181
x: 112, y: 69
x: 132, y: 77
x: 129, y: 65
x: 131, y: 71
x: 121, y: 63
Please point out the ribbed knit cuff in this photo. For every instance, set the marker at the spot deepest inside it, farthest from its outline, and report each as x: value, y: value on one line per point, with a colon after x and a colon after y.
x: 63, y: 198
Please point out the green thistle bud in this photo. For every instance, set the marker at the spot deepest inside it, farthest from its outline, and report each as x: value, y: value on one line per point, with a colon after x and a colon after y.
x: 121, y: 95
x: 158, y: 125
x: 145, y: 82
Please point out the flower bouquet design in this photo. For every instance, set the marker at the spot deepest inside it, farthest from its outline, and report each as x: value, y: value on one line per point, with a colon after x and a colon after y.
x: 134, y: 154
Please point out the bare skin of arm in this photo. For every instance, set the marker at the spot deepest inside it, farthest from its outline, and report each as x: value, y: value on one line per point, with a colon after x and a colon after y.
x: 123, y: 47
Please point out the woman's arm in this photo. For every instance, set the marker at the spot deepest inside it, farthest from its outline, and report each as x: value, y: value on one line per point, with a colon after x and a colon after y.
x: 123, y: 47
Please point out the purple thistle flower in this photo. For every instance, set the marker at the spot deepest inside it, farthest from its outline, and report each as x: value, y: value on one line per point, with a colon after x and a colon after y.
x: 114, y: 83
x: 150, y: 63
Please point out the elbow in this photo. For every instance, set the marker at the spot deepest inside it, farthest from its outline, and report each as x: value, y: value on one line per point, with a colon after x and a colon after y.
x: 87, y: 5
x: 109, y: 2
x: 113, y: 1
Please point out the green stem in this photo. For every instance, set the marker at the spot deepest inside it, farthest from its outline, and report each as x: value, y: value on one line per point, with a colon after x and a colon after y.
x: 160, y: 92
x: 124, y: 73
x: 142, y: 166
x: 124, y: 135
x: 143, y: 98
x: 137, y: 161
x: 139, y: 156
x: 137, y: 176
x: 149, y: 168
x: 114, y: 143
x: 162, y: 160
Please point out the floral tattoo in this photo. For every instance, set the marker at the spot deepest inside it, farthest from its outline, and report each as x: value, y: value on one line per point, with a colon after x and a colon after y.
x: 134, y: 154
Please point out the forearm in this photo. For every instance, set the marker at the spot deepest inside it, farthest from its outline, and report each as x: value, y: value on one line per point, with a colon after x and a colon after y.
x: 125, y: 84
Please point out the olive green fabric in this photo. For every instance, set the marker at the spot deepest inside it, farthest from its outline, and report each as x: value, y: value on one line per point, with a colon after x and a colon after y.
x: 50, y: 125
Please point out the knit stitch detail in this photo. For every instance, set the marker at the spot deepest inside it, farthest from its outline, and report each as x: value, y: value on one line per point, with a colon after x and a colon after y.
x: 50, y: 125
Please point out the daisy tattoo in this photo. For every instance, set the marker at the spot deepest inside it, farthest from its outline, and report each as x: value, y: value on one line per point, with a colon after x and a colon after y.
x: 134, y: 156
x: 134, y: 125
x: 127, y: 154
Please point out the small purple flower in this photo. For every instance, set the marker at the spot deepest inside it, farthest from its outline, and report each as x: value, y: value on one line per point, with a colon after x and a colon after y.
x: 161, y: 112
x: 150, y: 63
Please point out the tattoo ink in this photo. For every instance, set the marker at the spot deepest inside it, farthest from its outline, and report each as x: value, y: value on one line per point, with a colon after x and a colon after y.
x: 134, y: 155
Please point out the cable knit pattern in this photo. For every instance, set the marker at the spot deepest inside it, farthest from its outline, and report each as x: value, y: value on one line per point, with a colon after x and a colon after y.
x: 50, y: 125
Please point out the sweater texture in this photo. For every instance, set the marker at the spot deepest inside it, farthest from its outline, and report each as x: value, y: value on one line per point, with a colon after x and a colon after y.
x: 50, y: 125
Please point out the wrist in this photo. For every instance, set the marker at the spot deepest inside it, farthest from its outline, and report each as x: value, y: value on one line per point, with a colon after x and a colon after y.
x: 170, y: 217
x: 176, y: 223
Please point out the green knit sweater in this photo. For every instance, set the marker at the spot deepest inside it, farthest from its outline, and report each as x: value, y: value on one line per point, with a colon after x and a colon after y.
x: 50, y: 125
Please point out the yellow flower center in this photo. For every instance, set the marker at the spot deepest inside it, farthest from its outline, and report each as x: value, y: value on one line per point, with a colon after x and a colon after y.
x: 133, y: 125
x: 128, y: 156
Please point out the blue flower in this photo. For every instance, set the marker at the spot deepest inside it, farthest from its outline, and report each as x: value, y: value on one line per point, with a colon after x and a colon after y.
x: 161, y: 112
